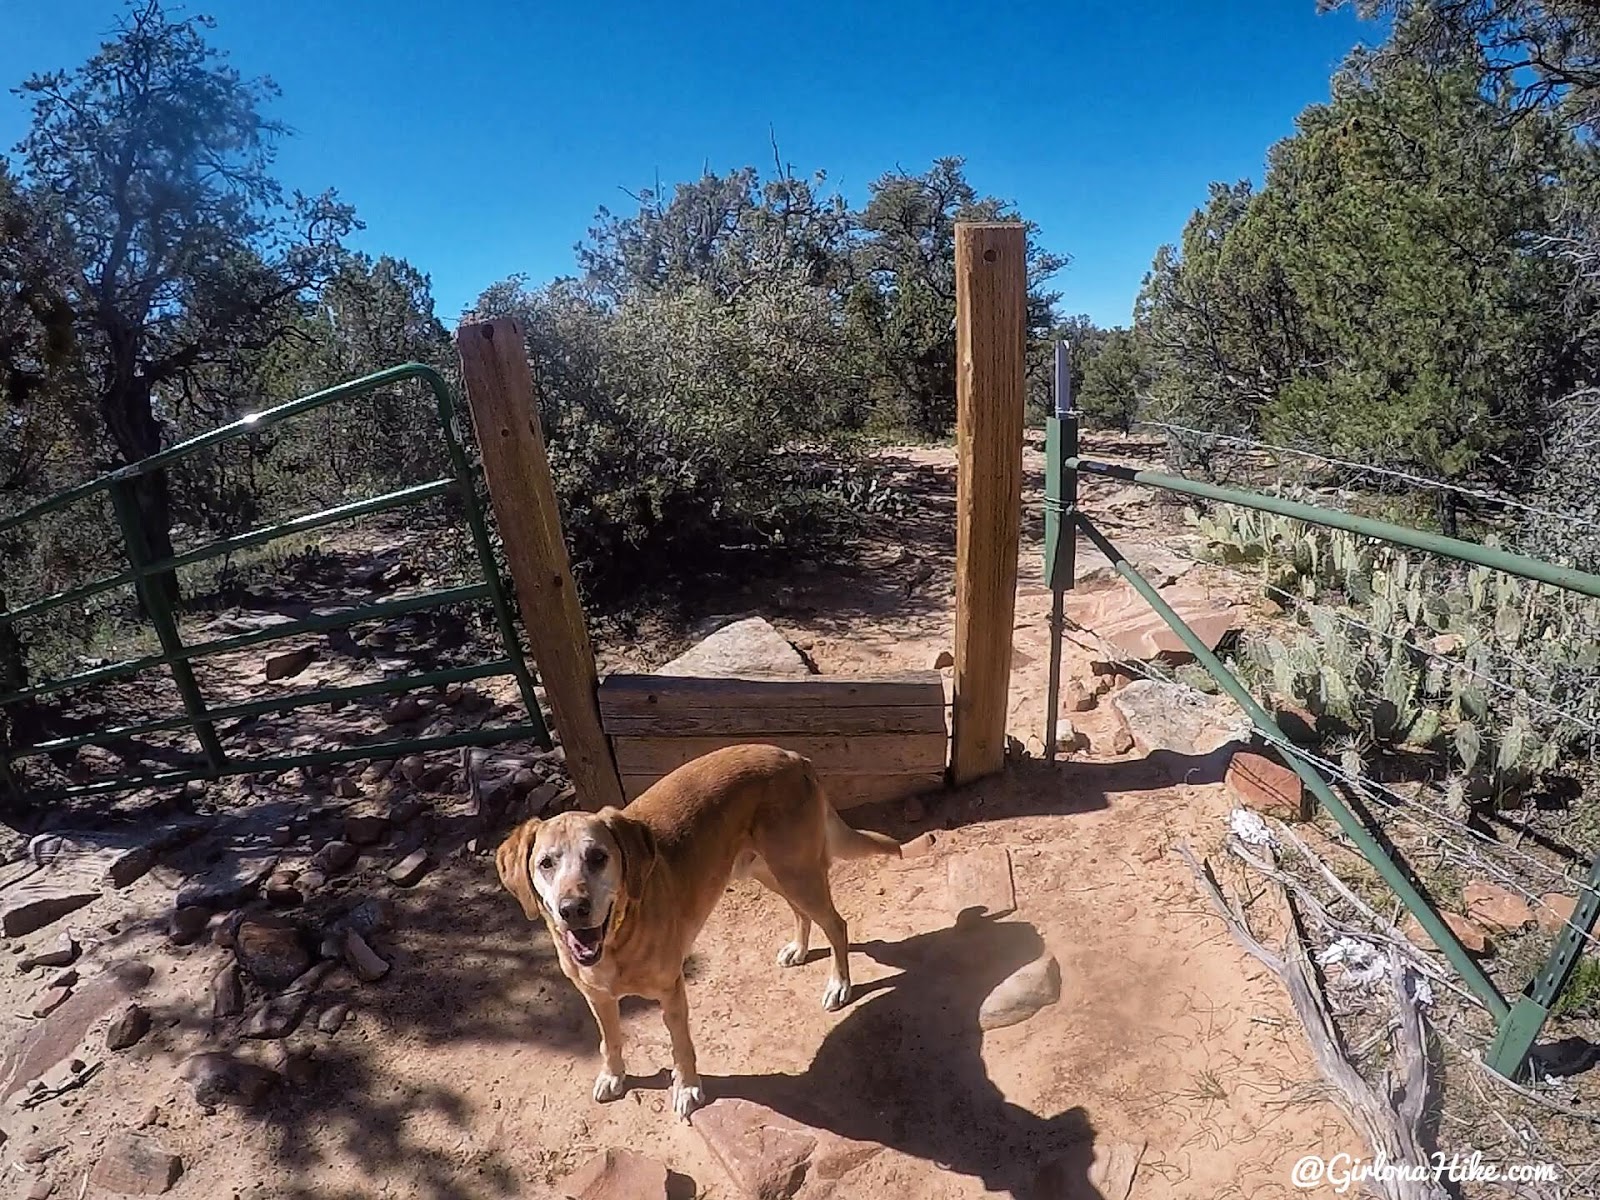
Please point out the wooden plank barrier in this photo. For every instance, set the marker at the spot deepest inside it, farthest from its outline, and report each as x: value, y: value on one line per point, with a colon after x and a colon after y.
x: 871, y: 737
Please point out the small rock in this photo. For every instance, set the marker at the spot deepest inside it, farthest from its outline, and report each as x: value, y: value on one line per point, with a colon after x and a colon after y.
x: 377, y: 772
x: 290, y: 663
x: 188, y: 923
x: 1266, y: 785
x: 65, y: 979
x: 407, y: 709
x: 61, y: 953
x: 434, y: 778
x: 1121, y: 740
x: 36, y: 1187
x: 347, y: 787
x: 36, y: 903
x: 371, y: 916
x: 1152, y: 852
x: 411, y: 868
x: 524, y: 780
x: 150, y: 1116
x: 1555, y: 911
x: 452, y: 695
x: 38, y: 1150
x: 227, y: 996
x: 134, y: 1164
x: 281, y: 890
x: 279, y: 1016
x: 944, y: 659
x: 1497, y: 907
x: 1076, y: 698
x: 334, y: 857
x: 403, y: 812
x: 310, y: 880
x: 130, y: 867
x: 1472, y: 936
x: 362, y: 958
x: 196, y: 789
x: 365, y: 830
x: 49, y: 1000
x: 1021, y: 994
x: 128, y: 1028
x: 333, y: 1019
x: 271, y: 949
x: 981, y: 878
x: 412, y: 766
x: 543, y: 796
x: 472, y: 699
x: 217, y: 1079
x: 617, y: 1175
x: 281, y: 835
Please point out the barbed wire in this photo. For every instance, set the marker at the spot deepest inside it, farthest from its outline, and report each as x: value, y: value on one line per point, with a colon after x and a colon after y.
x: 1395, y: 801
x: 1369, y: 469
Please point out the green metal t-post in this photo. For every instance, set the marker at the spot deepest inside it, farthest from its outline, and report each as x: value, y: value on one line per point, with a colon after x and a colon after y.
x: 1060, y: 529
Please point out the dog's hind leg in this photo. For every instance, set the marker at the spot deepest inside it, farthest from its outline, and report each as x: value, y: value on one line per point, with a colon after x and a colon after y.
x: 807, y: 891
x: 687, y: 1094
x: 795, y: 951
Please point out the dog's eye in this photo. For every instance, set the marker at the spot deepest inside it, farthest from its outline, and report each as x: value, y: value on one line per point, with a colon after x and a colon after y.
x: 547, y: 862
x: 595, y: 858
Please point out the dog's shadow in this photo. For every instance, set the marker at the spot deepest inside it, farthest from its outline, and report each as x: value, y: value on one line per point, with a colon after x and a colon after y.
x: 904, y: 1069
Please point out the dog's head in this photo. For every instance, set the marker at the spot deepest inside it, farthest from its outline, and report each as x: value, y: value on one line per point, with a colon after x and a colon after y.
x: 579, y: 871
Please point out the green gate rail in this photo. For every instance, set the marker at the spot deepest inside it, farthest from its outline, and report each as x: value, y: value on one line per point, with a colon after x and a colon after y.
x: 1518, y: 1024
x: 145, y: 575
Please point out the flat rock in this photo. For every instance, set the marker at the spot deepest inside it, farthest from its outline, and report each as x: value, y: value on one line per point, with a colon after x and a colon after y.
x: 188, y: 922
x: 332, y: 1019
x: 334, y: 857
x: 271, y: 949
x: 135, y: 1165
x: 35, y: 903
x: 362, y: 958
x: 1472, y: 936
x: 40, y: 1045
x: 128, y: 1027
x: 748, y: 647
x: 981, y: 878
x: 289, y: 663
x: 365, y: 829
x: 1555, y: 911
x: 1123, y: 618
x: 1497, y: 907
x: 233, y: 880
x: 617, y: 1175
x: 60, y: 953
x: 1171, y: 717
x: 50, y: 999
x: 280, y: 1015
x: 1021, y: 994
x: 1263, y: 783
x: 770, y: 1156
x: 410, y: 869
x: 216, y: 1079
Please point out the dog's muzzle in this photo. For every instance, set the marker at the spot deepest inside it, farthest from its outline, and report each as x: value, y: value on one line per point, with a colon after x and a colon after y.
x: 586, y: 945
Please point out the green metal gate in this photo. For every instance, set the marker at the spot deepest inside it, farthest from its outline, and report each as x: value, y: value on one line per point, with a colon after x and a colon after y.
x: 1519, y: 1023
x: 203, y: 718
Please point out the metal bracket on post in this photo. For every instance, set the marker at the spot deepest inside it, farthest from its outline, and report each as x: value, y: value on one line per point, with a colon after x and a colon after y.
x: 1060, y: 529
x: 126, y: 508
x: 1520, y: 1030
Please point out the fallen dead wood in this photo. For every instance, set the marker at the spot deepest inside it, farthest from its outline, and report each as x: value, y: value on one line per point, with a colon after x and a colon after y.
x: 1392, y: 1124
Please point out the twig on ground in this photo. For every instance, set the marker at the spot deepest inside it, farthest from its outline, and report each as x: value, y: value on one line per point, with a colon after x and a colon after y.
x: 1393, y: 1134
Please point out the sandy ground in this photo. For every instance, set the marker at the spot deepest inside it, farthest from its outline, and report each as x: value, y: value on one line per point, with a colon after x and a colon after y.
x: 465, y: 1072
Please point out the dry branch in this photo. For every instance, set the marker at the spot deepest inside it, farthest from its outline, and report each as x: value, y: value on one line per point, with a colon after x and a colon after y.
x: 1395, y: 1135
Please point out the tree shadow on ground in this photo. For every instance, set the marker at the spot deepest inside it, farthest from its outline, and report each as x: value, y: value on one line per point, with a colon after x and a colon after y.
x: 905, y: 1069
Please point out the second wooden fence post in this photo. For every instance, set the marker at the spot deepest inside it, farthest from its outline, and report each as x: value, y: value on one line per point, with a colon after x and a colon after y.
x: 505, y: 413
x: 991, y: 335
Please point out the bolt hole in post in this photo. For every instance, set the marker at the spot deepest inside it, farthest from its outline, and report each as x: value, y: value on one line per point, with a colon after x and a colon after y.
x: 990, y: 255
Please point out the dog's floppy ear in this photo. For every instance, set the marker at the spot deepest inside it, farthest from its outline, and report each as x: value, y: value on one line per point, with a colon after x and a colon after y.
x: 511, y: 861
x: 637, y: 846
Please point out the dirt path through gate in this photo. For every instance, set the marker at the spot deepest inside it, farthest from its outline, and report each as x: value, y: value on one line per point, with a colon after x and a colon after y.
x: 1171, y: 1063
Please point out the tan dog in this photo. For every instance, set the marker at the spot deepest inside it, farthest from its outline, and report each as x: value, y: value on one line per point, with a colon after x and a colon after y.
x: 625, y: 892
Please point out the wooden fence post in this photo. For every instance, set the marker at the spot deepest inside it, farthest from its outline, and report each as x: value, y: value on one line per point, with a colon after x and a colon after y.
x: 505, y: 413
x: 991, y: 335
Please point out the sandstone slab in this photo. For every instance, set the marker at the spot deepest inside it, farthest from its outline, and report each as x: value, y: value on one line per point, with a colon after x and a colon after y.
x: 748, y: 647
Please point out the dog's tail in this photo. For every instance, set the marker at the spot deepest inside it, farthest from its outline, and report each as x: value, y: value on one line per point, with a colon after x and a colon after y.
x: 843, y: 841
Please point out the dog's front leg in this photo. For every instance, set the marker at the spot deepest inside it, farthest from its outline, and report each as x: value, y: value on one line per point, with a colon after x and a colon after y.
x: 609, y: 1084
x: 687, y: 1094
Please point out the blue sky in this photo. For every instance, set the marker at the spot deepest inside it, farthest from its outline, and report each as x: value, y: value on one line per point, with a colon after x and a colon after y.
x: 477, y: 141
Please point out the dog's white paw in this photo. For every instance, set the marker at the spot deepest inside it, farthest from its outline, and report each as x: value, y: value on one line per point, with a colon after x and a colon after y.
x: 608, y: 1086
x: 837, y: 994
x: 686, y: 1099
x: 792, y: 955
